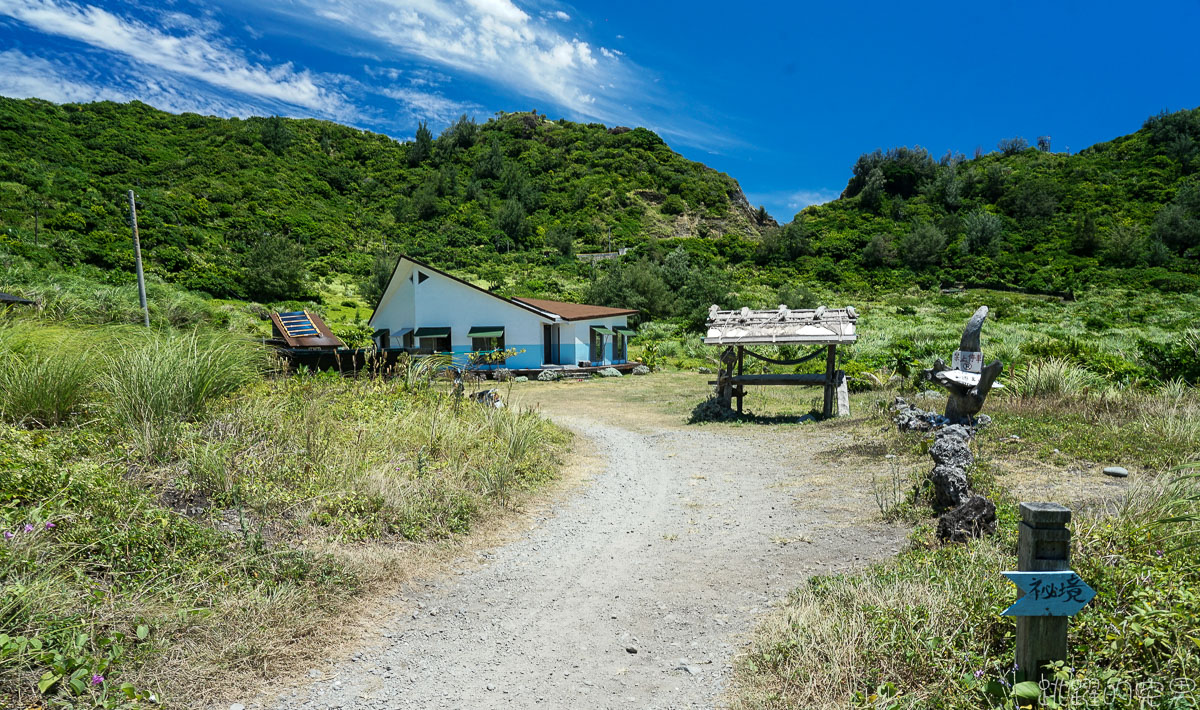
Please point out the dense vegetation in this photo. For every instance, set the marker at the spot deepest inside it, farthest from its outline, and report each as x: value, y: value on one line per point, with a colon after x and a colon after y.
x: 257, y: 208
x: 275, y: 209
x: 1125, y: 211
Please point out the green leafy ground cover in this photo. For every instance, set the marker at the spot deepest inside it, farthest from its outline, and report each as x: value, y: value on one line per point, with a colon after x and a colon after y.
x: 176, y: 518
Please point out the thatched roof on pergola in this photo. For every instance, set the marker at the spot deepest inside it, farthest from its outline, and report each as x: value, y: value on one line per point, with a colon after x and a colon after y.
x: 815, y: 326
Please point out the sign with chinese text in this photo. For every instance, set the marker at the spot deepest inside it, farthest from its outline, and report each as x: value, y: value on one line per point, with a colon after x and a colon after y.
x: 1049, y: 594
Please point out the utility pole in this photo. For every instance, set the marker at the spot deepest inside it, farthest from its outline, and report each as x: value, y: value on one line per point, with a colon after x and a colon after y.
x: 137, y: 254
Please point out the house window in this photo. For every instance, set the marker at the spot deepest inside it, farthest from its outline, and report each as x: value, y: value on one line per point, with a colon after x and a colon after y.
x: 433, y: 340
x: 487, y: 344
x: 596, y: 349
x: 619, y: 346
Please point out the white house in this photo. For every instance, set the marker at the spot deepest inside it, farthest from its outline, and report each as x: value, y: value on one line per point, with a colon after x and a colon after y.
x: 427, y: 310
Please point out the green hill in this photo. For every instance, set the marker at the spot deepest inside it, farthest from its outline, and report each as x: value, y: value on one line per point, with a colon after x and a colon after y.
x: 248, y: 208
x: 274, y: 209
x: 1126, y: 211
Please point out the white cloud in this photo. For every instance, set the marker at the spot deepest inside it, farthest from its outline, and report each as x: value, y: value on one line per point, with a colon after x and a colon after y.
x: 800, y: 199
x: 24, y: 76
x: 194, y: 52
x: 427, y: 106
x: 492, y: 39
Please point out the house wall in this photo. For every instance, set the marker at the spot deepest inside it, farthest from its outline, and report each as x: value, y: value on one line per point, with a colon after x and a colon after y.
x: 439, y: 301
x: 442, y: 302
x: 576, y: 340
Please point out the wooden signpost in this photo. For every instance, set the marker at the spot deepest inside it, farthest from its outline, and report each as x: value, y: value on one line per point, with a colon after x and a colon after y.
x: 1048, y: 592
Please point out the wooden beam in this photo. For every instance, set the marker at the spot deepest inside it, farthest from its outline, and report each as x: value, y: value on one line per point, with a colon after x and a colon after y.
x: 774, y: 379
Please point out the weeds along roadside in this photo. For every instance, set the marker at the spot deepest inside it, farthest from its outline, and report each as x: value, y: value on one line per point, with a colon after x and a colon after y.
x: 924, y: 629
x: 160, y: 497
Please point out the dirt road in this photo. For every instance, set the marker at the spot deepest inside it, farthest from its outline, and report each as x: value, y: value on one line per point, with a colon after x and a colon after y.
x: 637, y: 589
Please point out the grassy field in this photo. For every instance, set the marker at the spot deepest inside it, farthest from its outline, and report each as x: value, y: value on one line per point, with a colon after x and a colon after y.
x: 179, y: 520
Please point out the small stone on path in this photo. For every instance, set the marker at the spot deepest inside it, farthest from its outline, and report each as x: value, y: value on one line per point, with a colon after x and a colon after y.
x: 631, y: 649
x: 1116, y: 472
x: 237, y: 706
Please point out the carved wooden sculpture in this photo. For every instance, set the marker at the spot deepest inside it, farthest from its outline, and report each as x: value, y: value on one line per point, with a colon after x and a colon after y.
x: 968, y: 381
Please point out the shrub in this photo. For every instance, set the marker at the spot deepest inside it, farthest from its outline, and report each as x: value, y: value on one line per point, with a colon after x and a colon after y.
x: 548, y: 375
x: 922, y: 247
x: 641, y: 370
x: 983, y: 233
x: 1175, y: 359
x: 1012, y: 146
x: 609, y: 372
x: 673, y: 205
x: 880, y: 251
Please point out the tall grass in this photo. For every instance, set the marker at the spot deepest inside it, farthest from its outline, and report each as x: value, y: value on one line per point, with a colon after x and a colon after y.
x: 44, y: 379
x: 1052, y: 377
x: 161, y: 380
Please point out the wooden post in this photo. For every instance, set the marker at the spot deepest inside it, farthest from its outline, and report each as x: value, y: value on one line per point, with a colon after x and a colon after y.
x: 137, y: 255
x: 830, y: 385
x: 724, y: 378
x: 741, y: 390
x: 1043, y: 545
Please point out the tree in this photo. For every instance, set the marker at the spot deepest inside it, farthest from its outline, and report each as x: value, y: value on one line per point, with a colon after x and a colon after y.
x: 1177, y: 224
x: 760, y: 215
x: 1085, y: 238
x: 1043, y: 143
x: 1012, y: 146
x: 274, y: 134
x: 880, y: 251
x: 511, y: 219
x: 422, y: 147
x: 424, y: 201
x: 983, y: 231
x: 871, y: 196
x: 561, y: 239
x: 274, y: 269
x: 1126, y: 246
x: 922, y: 246
x: 377, y: 280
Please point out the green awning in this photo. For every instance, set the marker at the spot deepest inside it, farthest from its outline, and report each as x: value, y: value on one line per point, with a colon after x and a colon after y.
x: 432, y: 333
x: 602, y: 330
x: 486, y: 331
x: 626, y: 331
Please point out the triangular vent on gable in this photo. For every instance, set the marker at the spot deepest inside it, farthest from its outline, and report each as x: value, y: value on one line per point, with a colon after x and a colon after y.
x: 421, y: 277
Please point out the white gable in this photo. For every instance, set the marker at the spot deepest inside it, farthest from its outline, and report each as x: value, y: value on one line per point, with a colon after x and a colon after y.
x: 418, y: 297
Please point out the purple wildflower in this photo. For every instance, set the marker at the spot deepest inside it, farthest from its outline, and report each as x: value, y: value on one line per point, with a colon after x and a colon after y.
x: 28, y: 528
x: 49, y: 525
x: 8, y: 535
x: 979, y: 673
x: 97, y: 679
x: 1159, y: 553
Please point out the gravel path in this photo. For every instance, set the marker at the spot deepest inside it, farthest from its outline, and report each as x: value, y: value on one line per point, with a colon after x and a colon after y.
x: 634, y: 592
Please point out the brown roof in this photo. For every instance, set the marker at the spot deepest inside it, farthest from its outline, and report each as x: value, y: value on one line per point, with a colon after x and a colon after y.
x: 322, y: 338
x: 575, y: 311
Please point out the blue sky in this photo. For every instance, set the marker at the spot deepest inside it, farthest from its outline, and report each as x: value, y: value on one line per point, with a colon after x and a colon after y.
x: 782, y: 96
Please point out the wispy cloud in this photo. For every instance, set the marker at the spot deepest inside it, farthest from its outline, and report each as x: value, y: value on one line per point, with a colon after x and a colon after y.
x: 192, y: 50
x: 64, y: 81
x: 495, y: 40
x: 428, y: 106
x: 786, y: 203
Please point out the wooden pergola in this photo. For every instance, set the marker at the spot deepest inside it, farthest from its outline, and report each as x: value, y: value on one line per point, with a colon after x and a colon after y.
x: 823, y: 327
